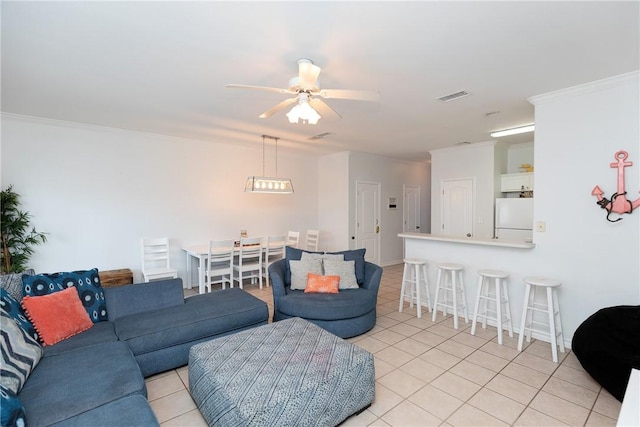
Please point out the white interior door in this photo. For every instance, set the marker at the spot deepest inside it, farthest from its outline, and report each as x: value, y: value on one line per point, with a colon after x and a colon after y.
x: 368, y: 220
x: 457, y: 207
x: 411, y: 208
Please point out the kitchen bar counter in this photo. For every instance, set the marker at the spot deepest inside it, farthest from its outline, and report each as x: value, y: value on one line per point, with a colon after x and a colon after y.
x: 516, y: 258
x: 468, y: 240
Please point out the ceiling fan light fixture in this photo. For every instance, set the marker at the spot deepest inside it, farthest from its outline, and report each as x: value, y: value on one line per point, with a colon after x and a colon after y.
x: 513, y: 131
x: 303, y: 112
x: 304, y: 87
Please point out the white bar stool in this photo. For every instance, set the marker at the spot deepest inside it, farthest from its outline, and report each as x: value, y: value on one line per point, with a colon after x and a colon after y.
x: 551, y: 309
x: 414, y: 274
x: 450, y: 282
x: 499, y: 296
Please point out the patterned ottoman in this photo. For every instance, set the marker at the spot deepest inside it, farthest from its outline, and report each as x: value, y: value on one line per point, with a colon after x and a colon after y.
x: 287, y: 373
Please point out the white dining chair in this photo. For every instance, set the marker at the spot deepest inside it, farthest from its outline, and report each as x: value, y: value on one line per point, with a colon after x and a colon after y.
x: 313, y: 238
x: 273, y: 251
x: 219, y: 268
x: 293, y: 238
x: 248, y: 264
x: 155, y: 260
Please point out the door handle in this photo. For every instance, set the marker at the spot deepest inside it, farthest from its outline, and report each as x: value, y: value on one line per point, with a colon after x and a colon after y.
x: 377, y: 229
x: 468, y: 234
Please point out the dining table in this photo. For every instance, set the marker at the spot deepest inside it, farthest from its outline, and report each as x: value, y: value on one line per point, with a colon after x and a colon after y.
x: 199, y: 254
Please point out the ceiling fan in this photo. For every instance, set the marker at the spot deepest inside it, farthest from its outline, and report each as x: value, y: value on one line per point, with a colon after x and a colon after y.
x: 310, y: 107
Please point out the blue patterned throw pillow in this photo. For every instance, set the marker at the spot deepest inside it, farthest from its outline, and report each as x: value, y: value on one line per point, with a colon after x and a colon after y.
x: 86, y: 282
x: 11, y: 409
x: 15, y: 310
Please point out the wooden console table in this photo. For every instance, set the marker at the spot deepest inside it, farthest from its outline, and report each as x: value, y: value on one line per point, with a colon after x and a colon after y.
x: 119, y: 277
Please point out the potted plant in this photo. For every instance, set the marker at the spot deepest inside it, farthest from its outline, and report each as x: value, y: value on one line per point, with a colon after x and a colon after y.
x: 18, y: 237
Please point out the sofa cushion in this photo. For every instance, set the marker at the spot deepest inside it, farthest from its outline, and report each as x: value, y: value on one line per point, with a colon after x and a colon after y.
x: 300, y: 269
x: 142, y: 297
x: 15, y: 310
x: 199, y: 317
x: 57, y: 316
x: 132, y: 410
x: 86, y: 282
x: 80, y: 380
x: 356, y: 255
x: 322, y: 284
x: 346, y: 304
x: 344, y: 269
x: 20, y: 353
x: 11, y: 409
x: 99, y: 333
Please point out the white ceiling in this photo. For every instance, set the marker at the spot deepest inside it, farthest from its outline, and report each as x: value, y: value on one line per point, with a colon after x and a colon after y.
x: 161, y: 67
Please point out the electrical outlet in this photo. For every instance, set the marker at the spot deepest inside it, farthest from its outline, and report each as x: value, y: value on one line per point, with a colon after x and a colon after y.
x: 541, y: 226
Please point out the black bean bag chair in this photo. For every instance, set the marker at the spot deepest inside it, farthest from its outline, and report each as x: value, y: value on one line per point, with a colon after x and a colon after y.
x: 607, y: 345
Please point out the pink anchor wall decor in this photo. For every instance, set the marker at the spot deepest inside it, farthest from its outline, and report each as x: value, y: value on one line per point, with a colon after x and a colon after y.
x: 619, y: 202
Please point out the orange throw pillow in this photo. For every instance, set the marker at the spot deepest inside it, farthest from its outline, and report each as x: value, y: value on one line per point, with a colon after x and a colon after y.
x: 322, y: 284
x: 57, y: 316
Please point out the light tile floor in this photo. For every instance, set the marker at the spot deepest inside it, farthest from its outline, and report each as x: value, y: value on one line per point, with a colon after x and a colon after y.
x: 429, y: 374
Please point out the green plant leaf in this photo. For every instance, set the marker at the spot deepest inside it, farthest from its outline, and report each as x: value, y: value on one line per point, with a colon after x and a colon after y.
x: 18, y: 236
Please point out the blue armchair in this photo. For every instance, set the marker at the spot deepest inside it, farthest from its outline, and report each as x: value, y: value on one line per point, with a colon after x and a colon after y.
x: 346, y: 314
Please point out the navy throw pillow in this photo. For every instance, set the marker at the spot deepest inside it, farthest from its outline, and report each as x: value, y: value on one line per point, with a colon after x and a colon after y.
x: 11, y: 409
x: 15, y: 310
x: 86, y: 282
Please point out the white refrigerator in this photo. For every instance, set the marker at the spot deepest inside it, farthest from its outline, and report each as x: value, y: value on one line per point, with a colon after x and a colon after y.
x: 514, y: 219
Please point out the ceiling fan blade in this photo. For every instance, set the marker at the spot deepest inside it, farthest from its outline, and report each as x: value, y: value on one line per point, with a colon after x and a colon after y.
x: 265, y: 88
x: 358, y: 95
x: 323, y: 108
x: 284, y: 104
x: 308, y: 74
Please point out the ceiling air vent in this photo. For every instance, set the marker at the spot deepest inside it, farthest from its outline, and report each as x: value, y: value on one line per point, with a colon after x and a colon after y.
x: 320, y: 136
x: 452, y: 96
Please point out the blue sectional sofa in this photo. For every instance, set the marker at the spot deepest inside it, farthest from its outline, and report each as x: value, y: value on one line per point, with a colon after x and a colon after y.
x: 346, y: 314
x: 97, y: 377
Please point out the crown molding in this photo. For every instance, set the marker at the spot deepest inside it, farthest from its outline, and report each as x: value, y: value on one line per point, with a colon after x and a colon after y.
x: 590, y: 87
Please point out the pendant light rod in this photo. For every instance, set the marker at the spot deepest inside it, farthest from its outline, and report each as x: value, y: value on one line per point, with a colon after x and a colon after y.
x: 263, y: 136
x: 275, y: 138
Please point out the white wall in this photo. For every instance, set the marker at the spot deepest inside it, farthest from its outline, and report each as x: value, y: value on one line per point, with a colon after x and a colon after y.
x: 475, y: 161
x: 333, y: 201
x: 392, y: 174
x: 519, y: 154
x: 578, y: 131
x: 97, y: 191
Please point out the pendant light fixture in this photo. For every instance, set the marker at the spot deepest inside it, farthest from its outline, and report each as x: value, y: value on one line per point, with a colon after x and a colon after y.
x: 265, y: 184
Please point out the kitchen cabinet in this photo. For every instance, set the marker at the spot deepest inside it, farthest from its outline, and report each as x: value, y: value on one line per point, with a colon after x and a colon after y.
x: 516, y: 182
